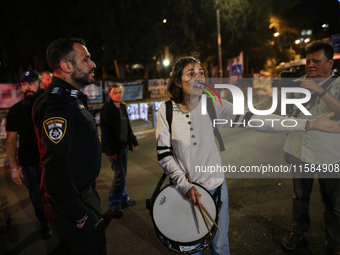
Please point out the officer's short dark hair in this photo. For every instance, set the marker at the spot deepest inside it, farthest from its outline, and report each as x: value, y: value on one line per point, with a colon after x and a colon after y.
x: 176, y: 93
x: 320, y: 45
x: 61, y: 49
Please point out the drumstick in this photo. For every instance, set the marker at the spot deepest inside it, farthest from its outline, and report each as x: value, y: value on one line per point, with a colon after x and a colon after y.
x: 193, y: 208
x: 200, y: 207
x: 205, y: 210
x: 211, y: 218
x: 203, y: 215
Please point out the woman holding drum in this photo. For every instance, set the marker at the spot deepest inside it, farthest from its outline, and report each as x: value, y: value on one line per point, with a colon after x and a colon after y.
x: 189, y: 141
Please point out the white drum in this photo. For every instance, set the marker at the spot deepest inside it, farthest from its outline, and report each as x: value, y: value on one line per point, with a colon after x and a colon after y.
x: 175, y: 221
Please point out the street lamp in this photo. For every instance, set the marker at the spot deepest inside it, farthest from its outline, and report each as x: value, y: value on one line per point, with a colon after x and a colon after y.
x: 219, y: 44
x: 276, y: 34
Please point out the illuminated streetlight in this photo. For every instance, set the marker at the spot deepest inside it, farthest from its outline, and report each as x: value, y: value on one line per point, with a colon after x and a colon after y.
x: 164, y: 21
x: 325, y: 25
x: 297, y: 41
x: 276, y: 34
x: 307, y: 40
x: 166, y: 62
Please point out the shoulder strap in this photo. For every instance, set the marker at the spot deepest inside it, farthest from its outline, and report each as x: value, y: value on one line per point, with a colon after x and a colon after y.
x: 212, y: 115
x: 149, y: 202
x: 168, y: 108
x: 326, y: 86
x: 168, y: 112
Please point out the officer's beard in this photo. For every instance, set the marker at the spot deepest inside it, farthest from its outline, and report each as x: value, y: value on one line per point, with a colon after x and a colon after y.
x: 29, y: 99
x: 82, y: 78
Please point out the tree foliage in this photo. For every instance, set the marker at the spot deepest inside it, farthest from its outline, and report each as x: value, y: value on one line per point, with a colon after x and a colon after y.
x: 132, y: 31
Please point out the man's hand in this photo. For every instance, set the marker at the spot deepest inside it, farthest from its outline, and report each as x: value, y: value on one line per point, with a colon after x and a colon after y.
x: 136, y: 147
x: 81, y: 223
x: 191, y: 194
x: 324, y: 123
x: 114, y: 157
x: 312, y: 86
x: 17, y: 176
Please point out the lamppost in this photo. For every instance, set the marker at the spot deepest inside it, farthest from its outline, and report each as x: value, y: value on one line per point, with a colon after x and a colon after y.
x: 219, y: 44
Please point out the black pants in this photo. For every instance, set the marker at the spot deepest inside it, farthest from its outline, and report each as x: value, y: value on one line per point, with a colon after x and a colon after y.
x: 32, y: 182
x: 330, y: 194
x: 90, y: 239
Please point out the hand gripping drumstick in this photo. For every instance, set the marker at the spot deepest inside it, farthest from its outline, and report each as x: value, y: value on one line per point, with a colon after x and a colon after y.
x: 205, y: 210
x: 200, y: 207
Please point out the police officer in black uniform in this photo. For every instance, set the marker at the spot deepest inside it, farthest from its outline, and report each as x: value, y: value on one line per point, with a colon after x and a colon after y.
x: 69, y: 150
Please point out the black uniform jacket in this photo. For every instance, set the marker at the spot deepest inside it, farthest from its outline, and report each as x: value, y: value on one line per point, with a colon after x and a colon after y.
x: 110, y: 129
x: 69, y: 146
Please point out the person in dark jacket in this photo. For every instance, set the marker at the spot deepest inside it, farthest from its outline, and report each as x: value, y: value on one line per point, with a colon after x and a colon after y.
x: 25, y: 164
x: 70, y: 152
x: 117, y: 139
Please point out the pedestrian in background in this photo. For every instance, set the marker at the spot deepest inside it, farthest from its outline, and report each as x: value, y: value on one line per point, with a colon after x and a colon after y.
x: 70, y: 151
x: 46, y: 79
x: 318, y: 148
x: 117, y: 139
x: 19, y: 122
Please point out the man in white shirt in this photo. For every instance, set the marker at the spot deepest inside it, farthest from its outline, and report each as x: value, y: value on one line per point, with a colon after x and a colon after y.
x: 313, y: 150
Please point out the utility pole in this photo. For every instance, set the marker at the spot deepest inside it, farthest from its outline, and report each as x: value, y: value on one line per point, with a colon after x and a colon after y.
x: 219, y: 44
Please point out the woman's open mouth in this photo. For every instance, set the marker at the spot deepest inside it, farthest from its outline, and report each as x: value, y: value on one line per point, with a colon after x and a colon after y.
x: 199, y: 85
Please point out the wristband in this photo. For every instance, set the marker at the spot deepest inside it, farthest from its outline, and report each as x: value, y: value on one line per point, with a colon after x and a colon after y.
x: 323, y: 93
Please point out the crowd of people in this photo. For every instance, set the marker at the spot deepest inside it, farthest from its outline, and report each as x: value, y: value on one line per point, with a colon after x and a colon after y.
x: 59, y: 155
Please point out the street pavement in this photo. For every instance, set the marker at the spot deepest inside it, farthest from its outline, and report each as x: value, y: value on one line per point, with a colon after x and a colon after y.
x: 260, y: 208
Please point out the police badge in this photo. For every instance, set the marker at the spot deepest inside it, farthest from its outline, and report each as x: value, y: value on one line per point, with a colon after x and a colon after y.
x: 55, y: 128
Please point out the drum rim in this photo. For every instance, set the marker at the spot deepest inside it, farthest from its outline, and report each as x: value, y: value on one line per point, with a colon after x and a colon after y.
x: 213, y: 229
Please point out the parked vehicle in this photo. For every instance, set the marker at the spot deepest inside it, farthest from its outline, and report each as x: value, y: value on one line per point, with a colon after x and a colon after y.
x: 298, y: 67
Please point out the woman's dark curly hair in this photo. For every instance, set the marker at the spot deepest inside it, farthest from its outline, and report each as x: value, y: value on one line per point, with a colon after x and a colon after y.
x: 176, y: 93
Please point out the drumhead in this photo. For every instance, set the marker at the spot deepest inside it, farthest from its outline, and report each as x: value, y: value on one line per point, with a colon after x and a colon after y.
x: 174, y: 217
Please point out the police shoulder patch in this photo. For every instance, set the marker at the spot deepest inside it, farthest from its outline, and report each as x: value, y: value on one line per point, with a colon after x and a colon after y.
x: 55, y: 128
